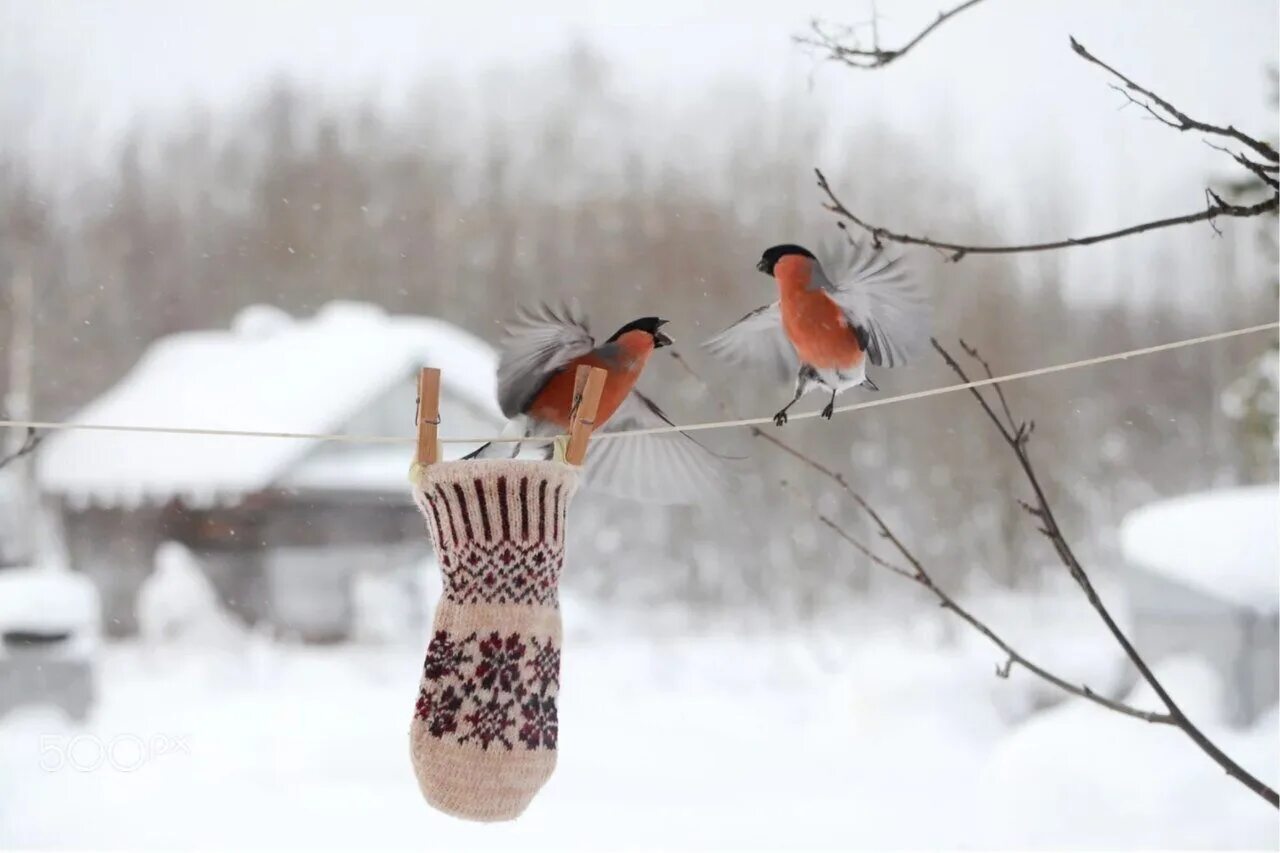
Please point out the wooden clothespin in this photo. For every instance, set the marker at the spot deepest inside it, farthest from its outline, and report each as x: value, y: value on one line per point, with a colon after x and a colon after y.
x: 428, y: 418
x: 588, y: 382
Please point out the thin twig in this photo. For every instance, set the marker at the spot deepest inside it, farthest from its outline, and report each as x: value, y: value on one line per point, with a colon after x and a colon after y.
x: 956, y: 251
x: 924, y: 579
x: 29, y: 444
x: 1049, y: 526
x: 972, y: 352
x: 921, y: 577
x: 1209, y: 199
x: 834, y: 45
x: 1173, y: 117
x: 1263, y: 171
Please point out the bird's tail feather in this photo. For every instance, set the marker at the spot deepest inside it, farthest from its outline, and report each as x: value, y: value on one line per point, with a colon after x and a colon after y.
x: 517, y: 427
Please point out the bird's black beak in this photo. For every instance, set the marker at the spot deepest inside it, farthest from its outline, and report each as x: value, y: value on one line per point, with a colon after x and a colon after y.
x: 660, y: 339
x: 760, y: 266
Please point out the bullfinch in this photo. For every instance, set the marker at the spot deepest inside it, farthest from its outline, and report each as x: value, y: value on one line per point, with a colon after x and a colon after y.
x: 830, y: 320
x: 539, y: 357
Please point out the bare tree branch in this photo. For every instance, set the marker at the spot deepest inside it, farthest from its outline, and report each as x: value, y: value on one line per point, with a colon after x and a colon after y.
x: 841, y: 44
x: 29, y: 445
x: 1263, y: 171
x: 956, y: 251
x: 1158, y: 108
x: 1172, y: 116
x: 921, y: 577
x: 1016, y: 435
x: 1043, y: 512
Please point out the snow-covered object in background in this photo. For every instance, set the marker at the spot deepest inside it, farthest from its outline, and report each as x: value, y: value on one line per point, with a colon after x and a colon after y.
x: 1203, y: 581
x: 46, y: 601
x: 48, y: 640
x: 1082, y: 776
x: 270, y: 374
x: 177, y: 601
x: 391, y: 604
x: 1224, y: 543
x: 258, y: 322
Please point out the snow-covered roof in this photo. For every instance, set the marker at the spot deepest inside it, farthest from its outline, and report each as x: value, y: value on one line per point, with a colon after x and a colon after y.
x: 1224, y: 543
x: 378, y: 470
x: 269, y: 372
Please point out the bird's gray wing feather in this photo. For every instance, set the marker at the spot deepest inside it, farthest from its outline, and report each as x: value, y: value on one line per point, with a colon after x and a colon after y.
x: 538, y: 342
x: 758, y: 340
x: 882, y: 298
x: 665, y: 468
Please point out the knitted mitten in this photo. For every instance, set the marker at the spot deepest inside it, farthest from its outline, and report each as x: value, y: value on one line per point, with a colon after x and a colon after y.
x: 483, y: 736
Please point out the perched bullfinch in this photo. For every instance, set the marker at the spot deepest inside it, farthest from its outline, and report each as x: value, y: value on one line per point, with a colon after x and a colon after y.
x: 539, y: 358
x: 830, y: 320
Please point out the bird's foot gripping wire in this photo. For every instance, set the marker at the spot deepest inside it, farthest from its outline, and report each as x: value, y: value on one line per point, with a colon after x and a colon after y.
x: 830, y: 407
x: 780, y: 418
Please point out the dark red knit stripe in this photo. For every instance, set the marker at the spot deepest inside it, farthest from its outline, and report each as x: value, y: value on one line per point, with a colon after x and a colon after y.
x: 555, y: 517
x: 524, y: 508
x: 502, y: 508
x: 448, y: 513
x: 462, y: 508
x: 484, y: 509
x: 542, y: 511
x: 435, y: 513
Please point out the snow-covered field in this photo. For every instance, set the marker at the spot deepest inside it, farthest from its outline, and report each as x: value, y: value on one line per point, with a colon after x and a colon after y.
x: 883, y: 736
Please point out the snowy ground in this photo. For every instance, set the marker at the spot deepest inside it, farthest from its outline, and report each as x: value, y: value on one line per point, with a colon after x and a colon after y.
x: 887, y: 736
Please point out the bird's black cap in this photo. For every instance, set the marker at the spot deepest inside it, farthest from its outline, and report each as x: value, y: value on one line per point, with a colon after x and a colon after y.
x: 773, y: 254
x: 646, y: 324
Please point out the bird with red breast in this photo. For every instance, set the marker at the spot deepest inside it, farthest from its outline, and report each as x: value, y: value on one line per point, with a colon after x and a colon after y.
x: 539, y: 357
x: 861, y: 306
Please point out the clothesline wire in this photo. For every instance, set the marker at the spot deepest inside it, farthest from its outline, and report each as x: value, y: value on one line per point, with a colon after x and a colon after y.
x: 709, y: 425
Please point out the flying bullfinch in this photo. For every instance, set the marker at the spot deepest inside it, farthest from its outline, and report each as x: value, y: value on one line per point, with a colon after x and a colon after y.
x: 539, y: 358
x: 830, y: 320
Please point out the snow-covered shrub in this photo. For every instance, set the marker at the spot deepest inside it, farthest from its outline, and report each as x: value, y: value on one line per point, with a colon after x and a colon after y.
x: 177, y: 602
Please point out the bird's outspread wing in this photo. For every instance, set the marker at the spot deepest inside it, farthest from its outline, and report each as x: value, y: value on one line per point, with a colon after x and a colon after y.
x: 758, y: 340
x: 664, y: 468
x: 887, y: 305
x: 538, y: 343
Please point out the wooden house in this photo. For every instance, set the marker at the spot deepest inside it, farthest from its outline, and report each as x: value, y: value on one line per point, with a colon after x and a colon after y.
x: 280, y: 525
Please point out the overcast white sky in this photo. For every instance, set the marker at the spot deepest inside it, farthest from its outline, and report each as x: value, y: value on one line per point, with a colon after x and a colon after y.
x: 1001, y: 76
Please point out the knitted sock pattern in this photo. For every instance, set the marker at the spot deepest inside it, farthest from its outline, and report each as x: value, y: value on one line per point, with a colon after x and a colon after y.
x: 485, y: 725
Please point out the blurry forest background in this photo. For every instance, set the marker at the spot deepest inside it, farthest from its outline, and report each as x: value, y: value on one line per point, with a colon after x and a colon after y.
x: 552, y: 182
